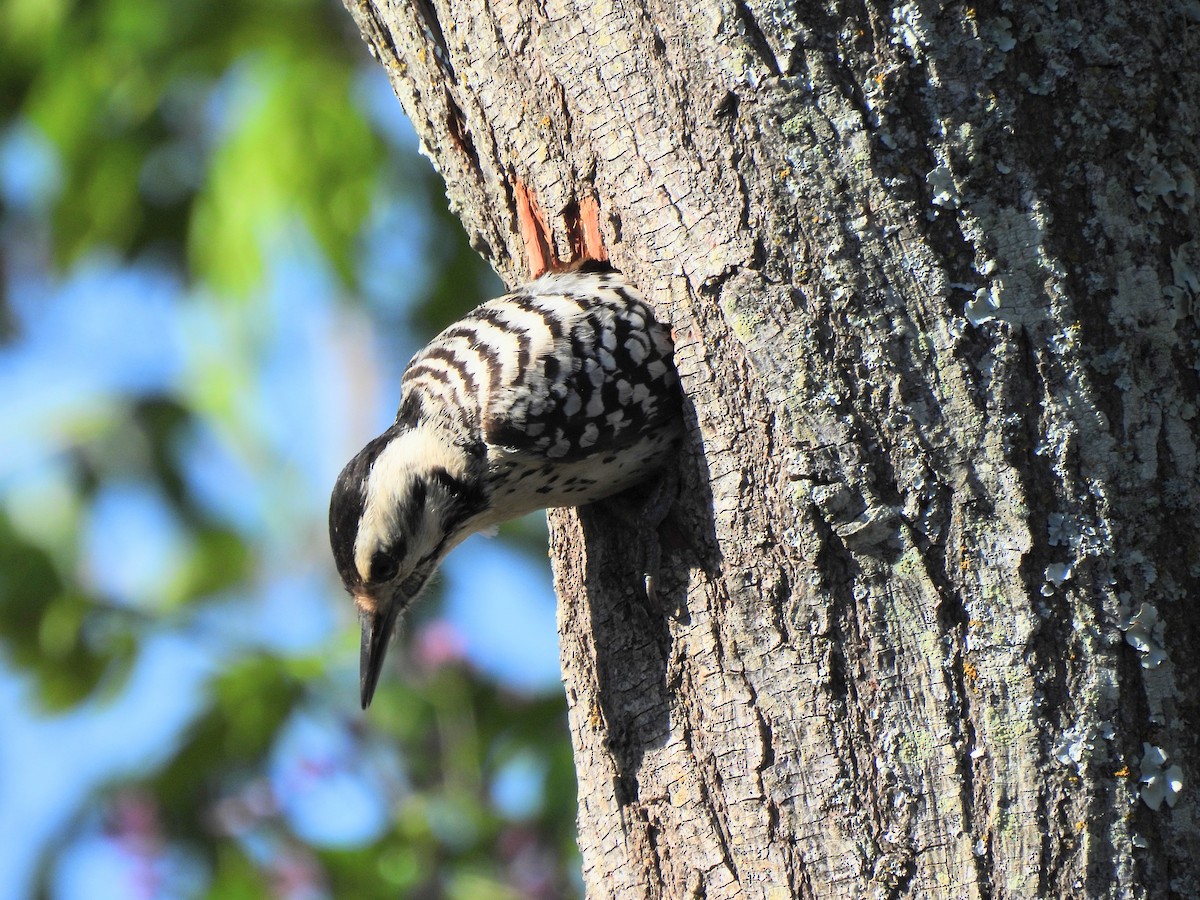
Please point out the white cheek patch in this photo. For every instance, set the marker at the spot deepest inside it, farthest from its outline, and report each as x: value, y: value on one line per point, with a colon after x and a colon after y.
x: 412, y: 453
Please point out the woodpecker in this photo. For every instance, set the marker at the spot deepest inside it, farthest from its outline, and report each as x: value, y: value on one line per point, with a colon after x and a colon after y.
x: 560, y: 393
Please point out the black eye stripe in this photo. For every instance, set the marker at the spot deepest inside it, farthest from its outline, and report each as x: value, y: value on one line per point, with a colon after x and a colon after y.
x: 416, y: 504
x: 385, y: 562
x: 467, y: 496
x: 454, y: 486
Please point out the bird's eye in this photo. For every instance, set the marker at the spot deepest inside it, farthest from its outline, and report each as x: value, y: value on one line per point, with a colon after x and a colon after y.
x: 384, y: 566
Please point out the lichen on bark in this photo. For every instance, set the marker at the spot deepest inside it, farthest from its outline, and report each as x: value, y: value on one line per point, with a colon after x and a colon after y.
x: 932, y: 272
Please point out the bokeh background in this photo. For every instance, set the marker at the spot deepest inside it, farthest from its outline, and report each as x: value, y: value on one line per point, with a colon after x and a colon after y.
x: 218, y: 248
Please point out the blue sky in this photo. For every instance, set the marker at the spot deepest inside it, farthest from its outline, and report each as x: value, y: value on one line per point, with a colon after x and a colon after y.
x: 289, y: 385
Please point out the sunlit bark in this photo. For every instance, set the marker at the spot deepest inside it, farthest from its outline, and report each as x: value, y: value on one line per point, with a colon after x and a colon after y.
x: 929, y: 590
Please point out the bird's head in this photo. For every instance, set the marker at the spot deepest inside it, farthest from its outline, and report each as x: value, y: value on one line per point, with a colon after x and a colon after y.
x: 397, y: 508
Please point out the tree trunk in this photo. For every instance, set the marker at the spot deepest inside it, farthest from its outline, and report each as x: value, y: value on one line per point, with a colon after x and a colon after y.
x: 929, y: 587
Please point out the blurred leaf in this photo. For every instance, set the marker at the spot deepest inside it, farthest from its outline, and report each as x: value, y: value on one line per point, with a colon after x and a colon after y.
x: 194, y: 133
x: 461, y: 280
x: 103, y: 87
x: 27, y: 27
x: 70, y: 667
x: 228, y: 744
x: 299, y: 148
x: 43, y: 626
x: 478, y: 886
x: 28, y: 584
x: 220, y: 561
x: 235, y: 877
x: 254, y: 697
x: 383, y: 872
x: 163, y: 419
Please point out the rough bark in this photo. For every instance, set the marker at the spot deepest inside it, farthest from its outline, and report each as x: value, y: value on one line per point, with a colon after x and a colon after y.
x: 929, y: 589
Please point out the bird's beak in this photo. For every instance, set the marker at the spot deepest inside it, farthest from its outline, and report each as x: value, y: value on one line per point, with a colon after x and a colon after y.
x: 377, y: 627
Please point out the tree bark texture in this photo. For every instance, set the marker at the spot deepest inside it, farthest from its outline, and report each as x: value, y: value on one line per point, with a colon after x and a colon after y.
x: 930, y: 585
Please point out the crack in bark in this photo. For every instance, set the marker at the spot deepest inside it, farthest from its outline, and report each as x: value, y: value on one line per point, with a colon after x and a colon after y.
x: 431, y: 26
x: 380, y: 34
x: 756, y: 37
x: 712, y: 801
x: 456, y: 127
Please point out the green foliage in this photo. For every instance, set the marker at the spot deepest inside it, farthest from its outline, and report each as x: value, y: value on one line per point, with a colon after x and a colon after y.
x: 298, y: 147
x: 123, y: 90
x: 44, y: 626
x: 196, y: 134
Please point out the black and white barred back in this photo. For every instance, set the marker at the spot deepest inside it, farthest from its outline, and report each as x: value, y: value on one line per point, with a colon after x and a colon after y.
x: 560, y: 393
x: 568, y: 381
